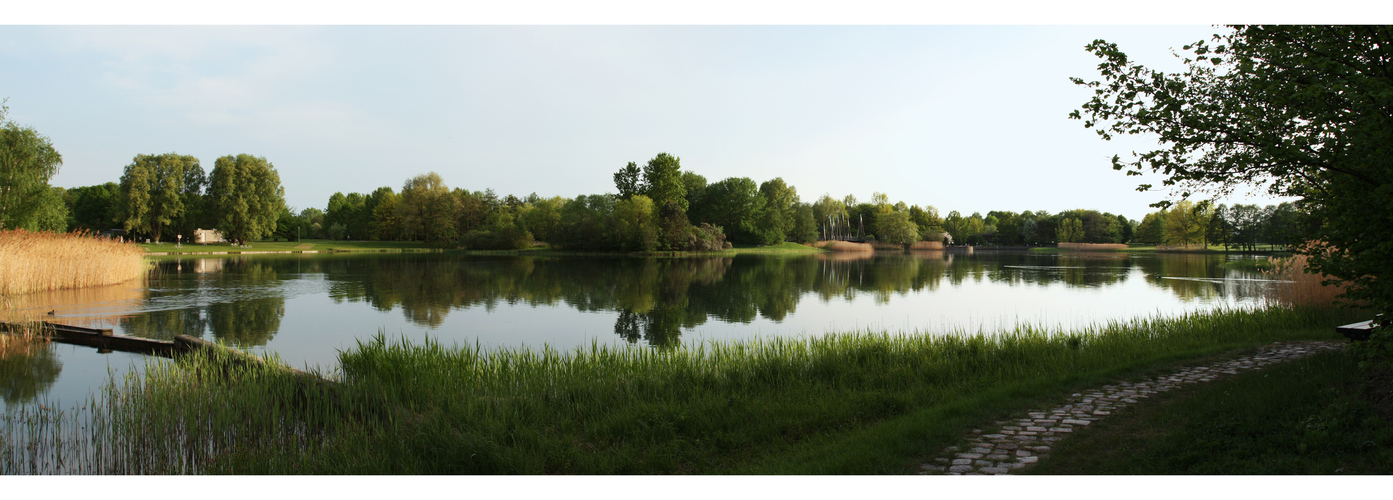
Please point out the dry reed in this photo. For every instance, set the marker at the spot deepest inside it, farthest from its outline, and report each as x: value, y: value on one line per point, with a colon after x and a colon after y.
x: 844, y: 246
x: 1297, y: 287
x: 41, y: 261
x: 927, y: 245
x: 1092, y: 246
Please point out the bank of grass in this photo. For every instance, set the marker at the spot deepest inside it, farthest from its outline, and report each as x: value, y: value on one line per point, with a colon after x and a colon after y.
x: 43, y: 261
x: 294, y: 246
x: 851, y: 403
x: 782, y: 248
x: 1309, y: 416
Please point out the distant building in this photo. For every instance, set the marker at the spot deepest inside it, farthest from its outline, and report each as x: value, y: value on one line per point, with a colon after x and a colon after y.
x: 207, y: 236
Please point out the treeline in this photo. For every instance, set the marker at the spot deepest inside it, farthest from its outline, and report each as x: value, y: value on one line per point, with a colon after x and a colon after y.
x: 1204, y: 223
x: 659, y: 207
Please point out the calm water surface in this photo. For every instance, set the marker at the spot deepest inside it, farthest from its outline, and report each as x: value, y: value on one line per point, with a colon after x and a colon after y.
x: 306, y: 308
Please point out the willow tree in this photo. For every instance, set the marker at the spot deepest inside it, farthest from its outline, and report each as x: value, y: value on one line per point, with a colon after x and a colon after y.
x: 158, y: 190
x: 27, y: 162
x: 247, y: 198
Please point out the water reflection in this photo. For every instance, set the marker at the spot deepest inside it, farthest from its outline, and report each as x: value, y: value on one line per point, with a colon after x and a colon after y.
x: 242, y: 300
x: 28, y: 367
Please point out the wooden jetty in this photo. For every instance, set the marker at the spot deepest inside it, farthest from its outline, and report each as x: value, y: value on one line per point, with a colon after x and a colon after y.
x: 105, y: 341
x: 100, y: 338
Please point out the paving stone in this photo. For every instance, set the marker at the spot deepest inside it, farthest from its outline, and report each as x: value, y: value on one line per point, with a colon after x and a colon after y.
x: 970, y: 455
x: 960, y: 468
x: 998, y: 457
x: 1024, y: 453
x: 995, y: 470
x: 963, y: 461
x: 1028, y: 460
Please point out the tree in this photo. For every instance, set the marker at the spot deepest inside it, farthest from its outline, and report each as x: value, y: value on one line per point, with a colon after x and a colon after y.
x: 154, y: 190
x: 1152, y: 229
x: 92, y: 208
x: 736, y: 207
x: 1220, y: 230
x: 628, y: 181
x: 1303, y: 109
x: 1070, y: 230
x: 427, y: 209
x: 895, y: 227
x: 27, y: 162
x: 246, y: 194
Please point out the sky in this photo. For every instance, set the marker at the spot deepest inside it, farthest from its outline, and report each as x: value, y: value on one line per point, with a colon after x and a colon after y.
x: 970, y: 118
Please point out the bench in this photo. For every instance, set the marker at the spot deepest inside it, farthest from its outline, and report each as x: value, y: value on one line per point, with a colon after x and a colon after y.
x: 1358, y: 331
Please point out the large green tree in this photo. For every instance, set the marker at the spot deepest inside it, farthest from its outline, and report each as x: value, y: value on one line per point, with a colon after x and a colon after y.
x: 427, y: 209
x: 246, y: 196
x: 92, y: 208
x: 156, y: 191
x: 27, y: 162
x: 1302, y: 109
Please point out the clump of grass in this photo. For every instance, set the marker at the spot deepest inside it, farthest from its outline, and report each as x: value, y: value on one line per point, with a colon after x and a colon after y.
x: 40, y: 261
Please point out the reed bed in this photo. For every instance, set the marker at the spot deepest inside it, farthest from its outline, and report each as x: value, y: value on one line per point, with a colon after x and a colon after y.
x: 415, y: 408
x: 41, y: 261
x: 927, y: 245
x: 1092, y: 246
x: 1297, y: 287
x: 844, y: 246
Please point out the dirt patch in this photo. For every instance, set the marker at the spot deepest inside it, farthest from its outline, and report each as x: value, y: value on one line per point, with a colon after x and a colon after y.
x: 304, y: 246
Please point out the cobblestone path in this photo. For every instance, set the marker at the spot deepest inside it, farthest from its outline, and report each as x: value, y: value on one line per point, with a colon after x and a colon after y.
x: 1013, y: 444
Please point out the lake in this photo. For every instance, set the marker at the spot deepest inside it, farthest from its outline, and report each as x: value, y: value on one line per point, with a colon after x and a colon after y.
x: 305, y: 308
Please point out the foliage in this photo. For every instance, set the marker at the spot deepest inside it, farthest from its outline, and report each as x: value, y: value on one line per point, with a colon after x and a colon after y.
x: 92, y: 208
x: 735, y: 205
x: 156, y: 191
x: 427, y: 209
x: 27, y: 162
x: 895, y: 227
x: 1301, y: 108
x: 247, y: 197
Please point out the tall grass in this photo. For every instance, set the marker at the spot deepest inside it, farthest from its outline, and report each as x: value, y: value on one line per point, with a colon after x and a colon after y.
x: 34, y: 262
x: 403, y: 407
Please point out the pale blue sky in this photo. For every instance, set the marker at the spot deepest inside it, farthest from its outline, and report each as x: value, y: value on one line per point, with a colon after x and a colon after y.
x: 967, y: 118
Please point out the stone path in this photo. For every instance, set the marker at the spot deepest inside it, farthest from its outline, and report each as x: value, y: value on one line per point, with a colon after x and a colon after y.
x: 1013, y: 444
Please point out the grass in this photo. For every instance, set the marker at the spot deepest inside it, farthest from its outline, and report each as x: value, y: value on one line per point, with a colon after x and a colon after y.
x: 43, y: 261
x: 294, y: 246
x: 782, y: 248
x: 1307, y: 416
x: 867, y: 402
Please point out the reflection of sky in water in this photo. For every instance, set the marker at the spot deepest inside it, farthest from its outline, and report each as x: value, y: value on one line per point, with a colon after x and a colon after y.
x: 313, y: 309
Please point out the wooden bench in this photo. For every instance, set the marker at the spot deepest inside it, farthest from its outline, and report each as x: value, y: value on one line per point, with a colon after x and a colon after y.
x: 1359, y: 331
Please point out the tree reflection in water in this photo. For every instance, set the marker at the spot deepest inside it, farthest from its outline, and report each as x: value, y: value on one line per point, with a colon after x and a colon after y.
x: 28, y: 367
x: 656, y: 298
